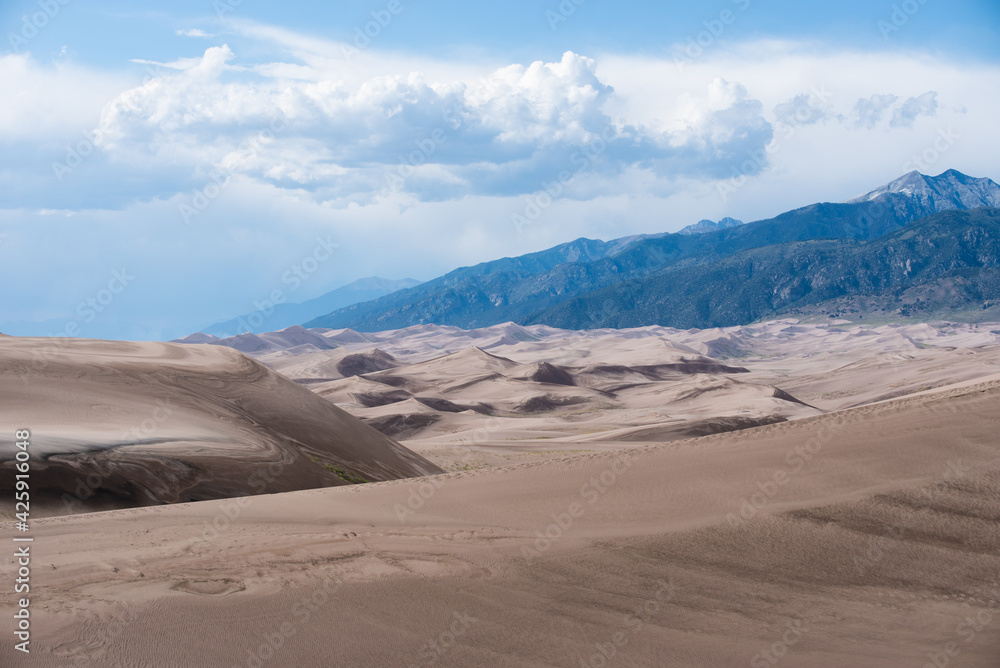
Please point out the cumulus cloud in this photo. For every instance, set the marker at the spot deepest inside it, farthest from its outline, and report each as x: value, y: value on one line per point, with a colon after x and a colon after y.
x: 868, y: 112
x: 721, y: 130
x: 908, y: 112
x: 505, y: 133
x: 43, y: 103
x: 803, y: 109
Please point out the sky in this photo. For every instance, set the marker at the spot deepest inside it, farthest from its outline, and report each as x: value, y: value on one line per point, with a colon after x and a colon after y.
x: 169, y: 165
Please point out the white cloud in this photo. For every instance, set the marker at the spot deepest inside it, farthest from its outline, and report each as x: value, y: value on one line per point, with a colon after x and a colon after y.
x: 212, y: 62
x: 714, y: 131
x: 46, y: 103
x: 803, y: 109
x: 195, y: 32
x: 908, y: 112
x: 504, y: 132
x: 868, y: 112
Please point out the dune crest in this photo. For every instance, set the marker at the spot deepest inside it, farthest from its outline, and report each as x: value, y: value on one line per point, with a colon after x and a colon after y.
x: 119, y: 424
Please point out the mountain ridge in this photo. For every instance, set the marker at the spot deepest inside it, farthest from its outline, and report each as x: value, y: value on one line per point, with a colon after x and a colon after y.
x: 947, y: 261
x: 517, y: 289
x: 705, y: 225
x: 949, y: 190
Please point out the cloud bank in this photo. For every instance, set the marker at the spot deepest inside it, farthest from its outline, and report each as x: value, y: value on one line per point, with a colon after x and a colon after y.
x: 502, y: 134
x: 207, y: 174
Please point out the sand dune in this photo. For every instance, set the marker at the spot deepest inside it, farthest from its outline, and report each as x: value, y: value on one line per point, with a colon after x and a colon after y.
x: 859, y: 537
x: 320, y: 366
x: 542, y: 390
x: 477, y: 405
x: 536, y: 343
x: 142, y: 423
x: 782, y: 493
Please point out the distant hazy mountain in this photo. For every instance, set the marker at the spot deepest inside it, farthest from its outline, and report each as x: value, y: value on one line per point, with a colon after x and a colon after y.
x: 285, y: 315
x: 82, y: 323
x: 523, y: 289
x: 704, y: 225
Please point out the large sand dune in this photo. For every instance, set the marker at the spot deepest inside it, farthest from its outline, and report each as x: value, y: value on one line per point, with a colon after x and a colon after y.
x: 469, y: 399
x: 861, y: 537
x: 117, y: 423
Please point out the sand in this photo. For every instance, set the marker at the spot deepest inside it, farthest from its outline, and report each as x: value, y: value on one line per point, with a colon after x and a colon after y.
x: 507, y: 394
x: 121, y: 424
x: 860, y: 537
x: 786, y: 493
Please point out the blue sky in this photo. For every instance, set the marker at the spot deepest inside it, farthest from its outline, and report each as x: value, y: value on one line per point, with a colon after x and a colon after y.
x: 107, y: 34
x: 167, y: 165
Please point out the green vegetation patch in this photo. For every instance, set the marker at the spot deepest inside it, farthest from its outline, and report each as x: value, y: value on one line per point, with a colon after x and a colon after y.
x: 346, y: 476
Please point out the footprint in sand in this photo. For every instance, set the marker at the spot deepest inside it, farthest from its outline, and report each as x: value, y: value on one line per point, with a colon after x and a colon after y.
x: 209, y: 587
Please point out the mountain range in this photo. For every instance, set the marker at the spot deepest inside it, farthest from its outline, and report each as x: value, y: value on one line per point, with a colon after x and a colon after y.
x: 945, y: 263
x: 687, y: 279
